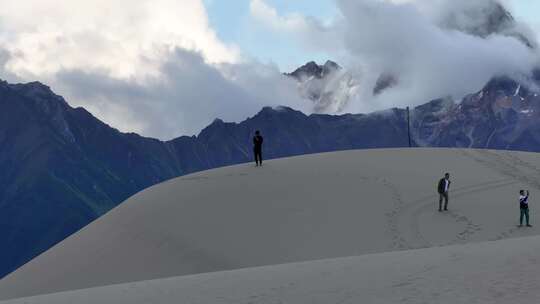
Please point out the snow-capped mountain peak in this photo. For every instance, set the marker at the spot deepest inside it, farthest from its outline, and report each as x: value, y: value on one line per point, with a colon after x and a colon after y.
x: 328, y: 86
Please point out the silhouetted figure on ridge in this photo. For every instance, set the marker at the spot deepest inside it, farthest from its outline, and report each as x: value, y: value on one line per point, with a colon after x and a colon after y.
x: 442, y: 188
x: 257, y: 148
x: 523, y: 208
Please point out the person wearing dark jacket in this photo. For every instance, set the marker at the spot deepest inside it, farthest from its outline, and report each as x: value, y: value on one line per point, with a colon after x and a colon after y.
x: 524, y: 207
x: 442, y: 189
x: 257, y: 148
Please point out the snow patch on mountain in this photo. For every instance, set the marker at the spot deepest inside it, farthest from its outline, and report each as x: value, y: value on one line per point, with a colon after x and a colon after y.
x: 328, y: 86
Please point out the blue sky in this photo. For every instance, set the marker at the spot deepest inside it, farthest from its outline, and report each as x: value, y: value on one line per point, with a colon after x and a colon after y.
x: 230, y: 19
x: 527, y: 9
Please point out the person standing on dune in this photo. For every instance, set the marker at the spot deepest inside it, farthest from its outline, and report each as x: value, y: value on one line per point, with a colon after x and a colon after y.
x: 442, y: 188
x: 523, y: 208
x: 257, y: 148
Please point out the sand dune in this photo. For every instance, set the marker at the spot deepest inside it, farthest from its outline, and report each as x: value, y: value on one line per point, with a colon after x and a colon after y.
x: 295, y: 209
x: 504, y: 271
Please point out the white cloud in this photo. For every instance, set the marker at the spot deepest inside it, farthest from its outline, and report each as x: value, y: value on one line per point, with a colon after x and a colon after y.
x: 430, y: 61
x: 150, y: 66
x: 413, y: 40
x: 186, y: 98
x: 121, y: 37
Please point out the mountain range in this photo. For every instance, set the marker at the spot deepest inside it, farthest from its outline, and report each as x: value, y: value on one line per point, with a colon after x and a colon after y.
x: 61, y: 167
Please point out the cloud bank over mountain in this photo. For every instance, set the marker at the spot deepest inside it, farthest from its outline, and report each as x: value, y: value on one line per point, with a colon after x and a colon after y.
x: 154, y: 67
x: 159, y: 69
x: 187, y: 96
x: 432, y: 48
